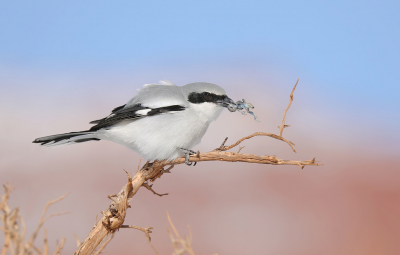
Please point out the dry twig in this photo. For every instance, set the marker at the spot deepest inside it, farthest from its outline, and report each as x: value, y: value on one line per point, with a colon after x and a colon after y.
x: 225, y: 148
x: 59, y: 247
x: 146, y: 231
x: 180, y: 245
x: 14, y: 229
x: 104, y: 244
x: 43, y: 219
x: 282, y: 126
x: 78, y: 242
x: 149, y: 187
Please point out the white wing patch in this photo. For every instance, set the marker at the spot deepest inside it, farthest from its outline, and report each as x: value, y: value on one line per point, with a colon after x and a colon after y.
x: 143, y: 112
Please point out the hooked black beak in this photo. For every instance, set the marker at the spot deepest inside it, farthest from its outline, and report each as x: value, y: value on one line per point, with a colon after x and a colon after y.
x: 225, y: 102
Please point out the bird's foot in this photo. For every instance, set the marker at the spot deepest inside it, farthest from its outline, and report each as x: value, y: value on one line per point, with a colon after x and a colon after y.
x: 187, y: 156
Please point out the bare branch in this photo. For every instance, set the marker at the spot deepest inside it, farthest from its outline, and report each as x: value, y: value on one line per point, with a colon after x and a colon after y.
x: 14, y: 229
x: 146, y: 231
x: 6, y: 243
x: 42, y: 219
x: 59, y: 247
x: 55, y: 214
x: 220, y: 148
x: 104, y: 244
x: 180, y: 245
x: 225, y: 148
x: 46, y: 244
x: 127, y: 173
x: 282, y: 126
x: 168, y: 169
x: 113, y: 218
x: 149, y: 187
x: 77, y: 240
x: 138, y: 167
x: 241, y: 157
x: 172, y: 226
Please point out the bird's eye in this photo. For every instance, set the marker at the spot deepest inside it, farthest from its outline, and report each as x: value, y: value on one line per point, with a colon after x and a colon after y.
x: 207, y: 96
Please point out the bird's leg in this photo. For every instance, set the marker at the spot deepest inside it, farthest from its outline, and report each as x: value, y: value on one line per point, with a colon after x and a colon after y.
x: 187, y: 156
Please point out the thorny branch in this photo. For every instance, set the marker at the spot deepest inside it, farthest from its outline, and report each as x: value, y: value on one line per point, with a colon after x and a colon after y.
x: 113, y: 218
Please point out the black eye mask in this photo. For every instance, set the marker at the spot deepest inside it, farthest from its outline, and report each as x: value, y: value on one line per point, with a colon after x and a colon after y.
x: 198, y: 98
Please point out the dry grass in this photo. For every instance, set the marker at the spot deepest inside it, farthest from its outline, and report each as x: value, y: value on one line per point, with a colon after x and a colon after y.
x: 14, y: 229
x: 181, y: 245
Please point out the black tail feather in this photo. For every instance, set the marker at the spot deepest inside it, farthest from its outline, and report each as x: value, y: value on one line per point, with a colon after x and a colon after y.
x: 54, y: 139
x: 86, y: 140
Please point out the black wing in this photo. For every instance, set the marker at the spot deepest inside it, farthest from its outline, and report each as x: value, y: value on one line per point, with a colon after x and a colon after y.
x: 113, y: 111
x: 120, y: 113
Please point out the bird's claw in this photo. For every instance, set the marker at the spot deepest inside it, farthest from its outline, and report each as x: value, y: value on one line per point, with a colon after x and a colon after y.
x: 187, y: 156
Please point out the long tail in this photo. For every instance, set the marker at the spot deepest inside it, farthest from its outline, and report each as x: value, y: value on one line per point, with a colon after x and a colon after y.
x: 67, y: 138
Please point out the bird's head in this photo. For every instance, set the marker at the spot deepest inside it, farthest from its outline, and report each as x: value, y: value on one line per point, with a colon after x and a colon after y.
x: 206, y: 99
x: 201, y: 92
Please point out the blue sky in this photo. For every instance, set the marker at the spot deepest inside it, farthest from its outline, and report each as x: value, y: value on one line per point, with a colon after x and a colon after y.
x: 330, y: 37
x: 348, y: 50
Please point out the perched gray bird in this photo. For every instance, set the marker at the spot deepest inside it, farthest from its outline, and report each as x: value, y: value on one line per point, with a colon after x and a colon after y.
x: 162, y: 122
